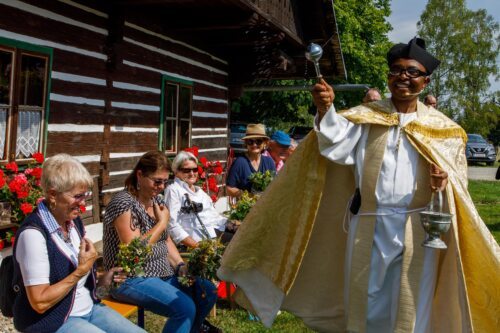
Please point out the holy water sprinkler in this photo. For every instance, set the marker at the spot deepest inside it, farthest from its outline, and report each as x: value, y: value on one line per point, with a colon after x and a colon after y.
x: 313, y: 54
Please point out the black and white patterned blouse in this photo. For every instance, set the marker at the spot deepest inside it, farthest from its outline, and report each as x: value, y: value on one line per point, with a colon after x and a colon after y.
x: 157, y: 264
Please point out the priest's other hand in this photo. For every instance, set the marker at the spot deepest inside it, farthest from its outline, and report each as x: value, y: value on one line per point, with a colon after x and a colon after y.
x: 323, y: 97
x: 439, y: 178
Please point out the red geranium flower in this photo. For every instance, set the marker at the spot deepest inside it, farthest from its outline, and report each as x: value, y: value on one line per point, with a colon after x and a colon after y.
x: 12, y: 166
x: 200, y: 170
x: 204, y: 161
x: 2, y: 244
x: 37, y: 173
x: 212, y: 184
x: 82, y: 209
x: 213, y: 197
x: 26, y: 208
x: 2, y: 179
x: 218, y: 170
x: 38, y: 157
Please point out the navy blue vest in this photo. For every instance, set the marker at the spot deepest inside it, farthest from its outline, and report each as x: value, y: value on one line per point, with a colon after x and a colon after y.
x: 25, y: 318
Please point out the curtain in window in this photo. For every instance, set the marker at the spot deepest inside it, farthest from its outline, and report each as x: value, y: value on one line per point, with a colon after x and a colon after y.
x: 3, y: 128
x: 28, y: 133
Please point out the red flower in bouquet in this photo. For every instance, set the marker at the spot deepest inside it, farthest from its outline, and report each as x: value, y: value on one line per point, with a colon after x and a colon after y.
x: 38, y: 157
x: 2, y: 244
x: 26, y: 208
x: 83, y: 209
x: 213, y: 197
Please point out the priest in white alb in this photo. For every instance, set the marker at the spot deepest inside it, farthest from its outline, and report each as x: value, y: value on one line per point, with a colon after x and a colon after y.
x: 341, y: 248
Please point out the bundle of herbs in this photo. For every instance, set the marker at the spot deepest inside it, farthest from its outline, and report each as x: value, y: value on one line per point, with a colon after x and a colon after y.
x: 203, y: 261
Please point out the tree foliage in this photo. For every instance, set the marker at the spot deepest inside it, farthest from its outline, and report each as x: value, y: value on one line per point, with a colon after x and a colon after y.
x: 467, y: 43
x: 363, y: 29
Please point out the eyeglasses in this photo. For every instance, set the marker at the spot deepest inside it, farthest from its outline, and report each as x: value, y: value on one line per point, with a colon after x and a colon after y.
x: 159, y: 181
x: 79, y: 197
x: 410, y: 72
x: 188, y: 170
x: 250, y: 142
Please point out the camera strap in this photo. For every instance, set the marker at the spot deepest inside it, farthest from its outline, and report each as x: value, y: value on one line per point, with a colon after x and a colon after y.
x: 204, y: 230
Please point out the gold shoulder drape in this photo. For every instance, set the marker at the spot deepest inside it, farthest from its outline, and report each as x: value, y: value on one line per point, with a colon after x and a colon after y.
x: 294, y: 235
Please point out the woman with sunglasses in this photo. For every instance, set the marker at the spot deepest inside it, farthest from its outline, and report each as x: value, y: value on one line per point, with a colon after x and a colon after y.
x: 253, y: 161
x: 54, y: 263
x: 138, y: 211
x: 184, y: 227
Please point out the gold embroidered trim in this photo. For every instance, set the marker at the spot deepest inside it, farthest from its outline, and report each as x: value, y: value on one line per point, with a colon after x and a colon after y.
x: 436, y: 133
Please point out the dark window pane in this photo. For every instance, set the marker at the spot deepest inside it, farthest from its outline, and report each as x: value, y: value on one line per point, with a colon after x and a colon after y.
x: 32, y: 80
x: 185, y: 103
x: 5, y: 75
x: 184, y: 134
x: 170, y: 135
x: 171, y: 101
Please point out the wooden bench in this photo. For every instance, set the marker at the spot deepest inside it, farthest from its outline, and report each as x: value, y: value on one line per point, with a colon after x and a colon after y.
x: 126, y: 309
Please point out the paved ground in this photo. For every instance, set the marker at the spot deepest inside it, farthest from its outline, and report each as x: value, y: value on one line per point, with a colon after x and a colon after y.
x: 482, y: 173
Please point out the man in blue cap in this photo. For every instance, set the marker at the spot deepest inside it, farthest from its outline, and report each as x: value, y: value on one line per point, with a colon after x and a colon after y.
x: 278, y: 148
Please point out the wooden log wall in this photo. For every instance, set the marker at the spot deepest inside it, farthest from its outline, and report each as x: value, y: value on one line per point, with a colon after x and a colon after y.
x: 108, y: 116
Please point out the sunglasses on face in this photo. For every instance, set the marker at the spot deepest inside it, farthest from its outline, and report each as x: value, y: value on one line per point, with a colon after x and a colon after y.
x: 411, y: 72
x: 251, y: 142
x: 79, y: 197
x: 159, y: 181
x: 188, y: 170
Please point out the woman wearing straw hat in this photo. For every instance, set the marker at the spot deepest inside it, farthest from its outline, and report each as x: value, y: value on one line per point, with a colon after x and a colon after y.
x: 255, y: 140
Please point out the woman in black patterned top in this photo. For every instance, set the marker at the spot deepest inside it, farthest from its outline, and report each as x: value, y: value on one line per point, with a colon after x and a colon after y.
x: 138, y: 212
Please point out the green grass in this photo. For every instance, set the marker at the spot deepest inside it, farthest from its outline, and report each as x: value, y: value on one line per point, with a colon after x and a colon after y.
x: 486, y: 196
x: 235, y: 321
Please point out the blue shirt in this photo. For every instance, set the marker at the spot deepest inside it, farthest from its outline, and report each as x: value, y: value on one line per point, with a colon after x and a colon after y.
x: 242, y: 169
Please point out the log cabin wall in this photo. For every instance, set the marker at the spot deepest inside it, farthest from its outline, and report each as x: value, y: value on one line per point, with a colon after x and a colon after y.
x: 106, y: 84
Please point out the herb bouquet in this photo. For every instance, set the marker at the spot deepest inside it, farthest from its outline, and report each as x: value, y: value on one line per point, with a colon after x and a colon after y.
x: 203, y: 261
x: 132, y: 257
x: 260, y: 180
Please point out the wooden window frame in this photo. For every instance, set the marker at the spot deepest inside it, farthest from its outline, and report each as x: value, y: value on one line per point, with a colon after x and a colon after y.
x: 179, y: 83
x: 19, y: 49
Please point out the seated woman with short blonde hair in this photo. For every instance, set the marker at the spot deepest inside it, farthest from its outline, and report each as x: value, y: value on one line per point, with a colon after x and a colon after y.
x: 54, y: 263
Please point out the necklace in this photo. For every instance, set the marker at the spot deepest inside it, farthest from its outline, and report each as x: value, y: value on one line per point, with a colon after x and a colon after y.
x: 67, y: 238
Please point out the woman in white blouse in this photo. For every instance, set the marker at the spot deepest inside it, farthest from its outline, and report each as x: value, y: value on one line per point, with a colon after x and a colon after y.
x: 185, y: 227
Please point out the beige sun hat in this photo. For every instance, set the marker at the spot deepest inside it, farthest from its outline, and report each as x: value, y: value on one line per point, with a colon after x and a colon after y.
x: 255, y: 131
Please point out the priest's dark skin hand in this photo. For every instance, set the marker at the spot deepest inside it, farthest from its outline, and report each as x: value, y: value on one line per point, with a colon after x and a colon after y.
x: 439, y: 178
x: 323, y: 97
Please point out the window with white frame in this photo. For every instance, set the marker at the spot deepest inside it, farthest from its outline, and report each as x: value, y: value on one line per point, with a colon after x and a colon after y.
x: 176, y: 114
x: 23, y: 99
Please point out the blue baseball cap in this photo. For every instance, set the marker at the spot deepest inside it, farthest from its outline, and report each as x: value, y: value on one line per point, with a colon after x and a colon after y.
x: 282, y: 138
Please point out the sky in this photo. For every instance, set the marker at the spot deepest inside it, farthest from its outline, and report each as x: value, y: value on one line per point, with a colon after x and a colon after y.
x: 406, y: 13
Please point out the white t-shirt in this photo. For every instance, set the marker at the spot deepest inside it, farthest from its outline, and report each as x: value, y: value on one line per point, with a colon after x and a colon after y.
x: 33, y: 259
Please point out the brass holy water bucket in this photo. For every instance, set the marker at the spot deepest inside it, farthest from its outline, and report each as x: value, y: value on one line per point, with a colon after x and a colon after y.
x: 435, y: 223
